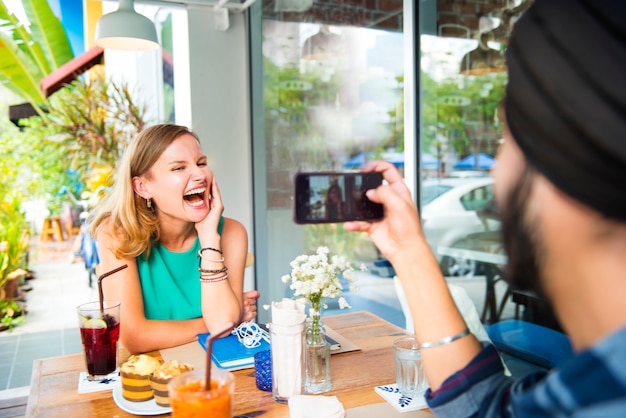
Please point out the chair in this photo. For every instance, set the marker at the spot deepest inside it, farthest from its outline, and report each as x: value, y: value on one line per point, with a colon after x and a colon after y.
x: 464, y: 304
x: 533, y: 343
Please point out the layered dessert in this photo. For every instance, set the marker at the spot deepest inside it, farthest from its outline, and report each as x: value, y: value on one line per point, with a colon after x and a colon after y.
x: 135, y: 373
x: 161, y: 377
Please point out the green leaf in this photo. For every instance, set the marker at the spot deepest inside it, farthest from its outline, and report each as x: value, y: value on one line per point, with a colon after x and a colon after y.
x: 9, y: 23
x: 48, y: 32
x: 18, y: 72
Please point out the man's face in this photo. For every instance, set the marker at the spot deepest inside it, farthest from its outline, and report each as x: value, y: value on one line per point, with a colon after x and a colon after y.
x: 513, y: 185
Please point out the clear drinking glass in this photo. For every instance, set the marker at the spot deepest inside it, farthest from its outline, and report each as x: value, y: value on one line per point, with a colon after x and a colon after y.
x: 410, y: 376
x: 287, y: 349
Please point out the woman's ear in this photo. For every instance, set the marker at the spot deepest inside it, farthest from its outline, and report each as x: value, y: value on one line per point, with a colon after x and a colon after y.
x: 140, y: 188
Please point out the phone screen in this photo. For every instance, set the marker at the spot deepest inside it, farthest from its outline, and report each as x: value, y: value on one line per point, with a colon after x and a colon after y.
x: 335, y: 197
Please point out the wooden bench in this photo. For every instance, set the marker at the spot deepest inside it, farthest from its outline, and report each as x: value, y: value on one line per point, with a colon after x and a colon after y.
x: 13, y: 403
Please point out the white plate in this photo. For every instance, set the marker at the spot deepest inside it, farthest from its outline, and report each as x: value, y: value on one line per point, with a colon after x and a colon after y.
x: 138, y: 408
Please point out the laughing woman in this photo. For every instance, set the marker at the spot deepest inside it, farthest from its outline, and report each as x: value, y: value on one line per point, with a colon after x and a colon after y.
x: 185, y: 261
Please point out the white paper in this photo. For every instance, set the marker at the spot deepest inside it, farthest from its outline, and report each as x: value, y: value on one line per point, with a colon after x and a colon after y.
x: 307, y: 406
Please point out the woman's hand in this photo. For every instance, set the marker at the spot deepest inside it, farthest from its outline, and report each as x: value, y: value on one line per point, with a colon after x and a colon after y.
x: 216, y: 208
x: 249, y: 305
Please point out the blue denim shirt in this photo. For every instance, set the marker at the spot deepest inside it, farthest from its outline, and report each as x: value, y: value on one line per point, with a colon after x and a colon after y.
x: 591, y: 384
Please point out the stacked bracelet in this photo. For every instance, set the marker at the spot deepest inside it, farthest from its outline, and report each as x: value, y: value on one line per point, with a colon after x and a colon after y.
x: 210, y: 279
x: 214, y: 271
x: 209, y: 249
x: 446, y: 340
x: 211, y: 275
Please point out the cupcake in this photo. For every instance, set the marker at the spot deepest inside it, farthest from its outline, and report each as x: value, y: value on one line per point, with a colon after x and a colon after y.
x: 161, y: 377
x: 135, y: 373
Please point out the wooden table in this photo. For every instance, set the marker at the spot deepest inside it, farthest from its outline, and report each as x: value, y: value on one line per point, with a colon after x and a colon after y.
x: 53, y: 391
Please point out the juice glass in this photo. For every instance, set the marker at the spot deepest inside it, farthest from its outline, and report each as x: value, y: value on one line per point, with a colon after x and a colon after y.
x: 189, y: 398
x: 99, y: 332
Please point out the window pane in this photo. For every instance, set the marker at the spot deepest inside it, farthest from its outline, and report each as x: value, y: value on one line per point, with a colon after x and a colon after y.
x: 333, y: 97
x: 462, y: 82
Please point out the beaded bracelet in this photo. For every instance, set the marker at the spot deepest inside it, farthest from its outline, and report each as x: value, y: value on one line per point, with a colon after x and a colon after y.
x: 209, y: 249
x: 205, y: 279
x: 446, y: 340
x: 209, y: 271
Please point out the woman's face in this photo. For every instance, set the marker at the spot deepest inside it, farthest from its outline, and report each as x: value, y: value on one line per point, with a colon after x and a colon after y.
x: 180, y: 180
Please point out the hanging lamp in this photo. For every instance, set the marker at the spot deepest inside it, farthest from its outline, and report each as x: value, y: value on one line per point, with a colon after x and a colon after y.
x: 125, y: 29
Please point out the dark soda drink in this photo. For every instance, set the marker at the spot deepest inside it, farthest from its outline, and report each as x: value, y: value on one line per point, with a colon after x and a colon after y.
x: 100, y: 345
x: 99, y: 331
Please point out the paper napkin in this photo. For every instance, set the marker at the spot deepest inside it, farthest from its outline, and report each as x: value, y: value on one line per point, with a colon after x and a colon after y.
x: 308, y: 406
x: 87, y: 386
x: 402, y: 403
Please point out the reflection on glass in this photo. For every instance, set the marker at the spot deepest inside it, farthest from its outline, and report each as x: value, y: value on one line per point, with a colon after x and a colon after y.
x: 333, y: 92
x: 463, y: 78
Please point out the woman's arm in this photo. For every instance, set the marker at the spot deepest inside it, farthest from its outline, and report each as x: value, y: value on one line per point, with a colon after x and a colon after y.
x: 222, y: 302
x: 400, y: 238
x: 138, y: 334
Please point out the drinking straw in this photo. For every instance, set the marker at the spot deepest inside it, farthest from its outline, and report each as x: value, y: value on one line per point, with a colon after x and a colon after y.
x: 100, y: 291
x: 209, y: 348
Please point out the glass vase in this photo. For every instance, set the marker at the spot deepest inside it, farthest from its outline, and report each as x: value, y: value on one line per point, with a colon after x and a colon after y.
x: 316, y: 358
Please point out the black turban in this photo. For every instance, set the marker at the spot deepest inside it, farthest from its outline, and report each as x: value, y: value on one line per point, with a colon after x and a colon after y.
x: 566, y: 97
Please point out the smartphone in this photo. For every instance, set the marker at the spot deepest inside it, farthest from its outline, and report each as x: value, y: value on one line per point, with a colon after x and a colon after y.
x: 335, y: 197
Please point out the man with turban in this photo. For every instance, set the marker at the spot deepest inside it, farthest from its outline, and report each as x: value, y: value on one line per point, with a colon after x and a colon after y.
x: 559, y: 185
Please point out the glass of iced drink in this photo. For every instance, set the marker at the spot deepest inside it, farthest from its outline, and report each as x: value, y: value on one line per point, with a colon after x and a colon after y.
x: 99, y: 332
x: 190, y: 398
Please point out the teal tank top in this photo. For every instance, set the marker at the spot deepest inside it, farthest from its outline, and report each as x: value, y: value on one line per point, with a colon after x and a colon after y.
x: 170, y: 282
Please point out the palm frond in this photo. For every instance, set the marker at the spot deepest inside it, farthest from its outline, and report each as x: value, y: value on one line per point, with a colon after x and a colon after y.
x: 10, y: 24
x: 48, y: 32
x: 18, y: 72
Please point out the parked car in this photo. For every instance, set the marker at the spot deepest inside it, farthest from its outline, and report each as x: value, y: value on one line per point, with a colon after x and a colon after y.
x: 452, y: 209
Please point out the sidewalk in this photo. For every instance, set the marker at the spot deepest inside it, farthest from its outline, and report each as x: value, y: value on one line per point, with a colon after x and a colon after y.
x: 51, y: 325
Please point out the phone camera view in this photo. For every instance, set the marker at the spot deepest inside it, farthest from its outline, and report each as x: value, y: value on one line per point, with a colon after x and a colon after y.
x: 335, y: 197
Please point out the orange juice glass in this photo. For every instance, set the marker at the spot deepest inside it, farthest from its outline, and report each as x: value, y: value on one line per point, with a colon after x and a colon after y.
x: 190, y: 399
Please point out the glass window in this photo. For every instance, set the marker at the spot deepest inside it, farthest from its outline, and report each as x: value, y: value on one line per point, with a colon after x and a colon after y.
x: 462, y: 82
x: 333, y: 77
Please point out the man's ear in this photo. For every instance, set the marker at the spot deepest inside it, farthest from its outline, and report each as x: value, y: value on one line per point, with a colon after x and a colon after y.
x: 140, y: 188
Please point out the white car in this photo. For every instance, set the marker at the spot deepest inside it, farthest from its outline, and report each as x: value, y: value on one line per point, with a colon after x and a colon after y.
x: 449, y: 215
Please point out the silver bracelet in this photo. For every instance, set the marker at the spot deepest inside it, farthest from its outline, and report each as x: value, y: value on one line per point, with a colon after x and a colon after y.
x: 446, y: 340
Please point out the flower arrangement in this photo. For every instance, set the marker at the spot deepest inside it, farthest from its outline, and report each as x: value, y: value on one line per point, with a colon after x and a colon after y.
x: 314, y: 277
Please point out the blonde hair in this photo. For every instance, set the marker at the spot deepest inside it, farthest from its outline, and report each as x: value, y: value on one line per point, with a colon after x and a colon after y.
x: 128, y: 218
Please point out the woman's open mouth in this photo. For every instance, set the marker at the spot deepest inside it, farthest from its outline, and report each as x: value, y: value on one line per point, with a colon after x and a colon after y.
x: 195, y: 197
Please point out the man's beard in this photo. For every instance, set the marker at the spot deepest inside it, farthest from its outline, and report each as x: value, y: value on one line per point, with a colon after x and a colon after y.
x: 521, y: 242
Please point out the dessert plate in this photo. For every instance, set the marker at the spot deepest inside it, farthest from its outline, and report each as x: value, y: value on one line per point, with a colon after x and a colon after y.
x: 138, y: 408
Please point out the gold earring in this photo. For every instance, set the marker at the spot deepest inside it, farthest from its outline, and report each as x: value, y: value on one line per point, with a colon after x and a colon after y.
x: 149, y: 203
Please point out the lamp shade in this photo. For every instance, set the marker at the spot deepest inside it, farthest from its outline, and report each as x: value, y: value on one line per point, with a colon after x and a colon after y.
x: 126, y: 29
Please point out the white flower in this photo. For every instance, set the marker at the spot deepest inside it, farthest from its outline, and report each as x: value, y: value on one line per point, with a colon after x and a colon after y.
x: 314, y: 277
